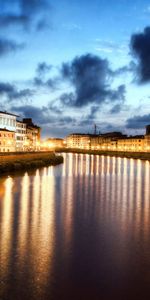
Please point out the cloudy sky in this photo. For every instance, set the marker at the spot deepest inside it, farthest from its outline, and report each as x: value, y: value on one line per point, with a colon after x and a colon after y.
x: 70, y: 64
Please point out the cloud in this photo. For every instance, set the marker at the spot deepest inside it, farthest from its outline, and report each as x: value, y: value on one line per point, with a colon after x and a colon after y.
x: 107, y: 46
x: 51, y: 83
x: 12, y: 93
x: 9, y: 19
x: 138, y: 122
x: 42, y: 69
x: 71, y: 26
x: 7, y: 46
x: 90, y: 78
x: 116, y: 109
x: 24, y: 13
x: 42, y: 116
x: 140, y: 49
x: 39, y: 80
x: 130, y: 68
x: 39, y: 115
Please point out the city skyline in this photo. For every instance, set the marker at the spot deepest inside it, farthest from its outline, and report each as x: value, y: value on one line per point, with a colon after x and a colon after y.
x: 71, y: 65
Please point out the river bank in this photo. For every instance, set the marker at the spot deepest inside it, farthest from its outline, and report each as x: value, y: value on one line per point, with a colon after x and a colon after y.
x: 134, y: 155
x: 13, y: 162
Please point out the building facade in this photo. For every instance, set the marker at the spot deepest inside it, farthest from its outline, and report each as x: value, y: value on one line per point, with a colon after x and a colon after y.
x: 113, y: 141
x: 18, y: 135
x: 7, y: 140
x: 8, y: 121
x: 21, y: 136
x: 33, y: 135
x: 77, y: 140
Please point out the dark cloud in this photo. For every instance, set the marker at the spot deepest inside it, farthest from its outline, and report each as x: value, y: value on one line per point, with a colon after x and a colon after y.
x: 40, y: 81
x: 138, y: 122
x: 140, y: 47
x: 116, y: 109
x: 24, y: 13
x: 11, y: 19
x: 39, y: 115
x: 12, y: 93
x: 50, y: 83
x: 42, y: 69
x: 90, y: 77
x: 131, y: 68
x: 93, y: 112
x: 42, y: 116
x: 54, y: 108
x: 7, y: 46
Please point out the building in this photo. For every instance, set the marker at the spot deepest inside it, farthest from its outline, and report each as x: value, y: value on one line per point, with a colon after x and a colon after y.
x: 106, y: 141
x: 21, y: 136
x: 77, y: 140
x: 147, y: 138
x: 8, y: 121
x: 26, y: 135
x: 132, y: 143
x: 111, y: 141
x: 54, y: 143
x: 7, y: 140
x: 32, y: 135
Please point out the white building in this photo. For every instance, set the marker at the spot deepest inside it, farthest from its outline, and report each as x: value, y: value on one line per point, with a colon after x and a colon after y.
x: 21, y: 136
x: 8, y: 121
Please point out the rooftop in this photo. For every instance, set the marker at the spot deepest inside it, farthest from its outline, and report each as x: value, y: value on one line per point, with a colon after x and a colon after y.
x: 4, y: 129
x: 7, y: 113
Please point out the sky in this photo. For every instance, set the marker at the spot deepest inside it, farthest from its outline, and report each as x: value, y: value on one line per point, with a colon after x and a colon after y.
x: 72, y: 64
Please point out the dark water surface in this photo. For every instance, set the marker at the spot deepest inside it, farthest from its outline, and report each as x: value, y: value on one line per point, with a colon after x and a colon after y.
x: 76, y: 231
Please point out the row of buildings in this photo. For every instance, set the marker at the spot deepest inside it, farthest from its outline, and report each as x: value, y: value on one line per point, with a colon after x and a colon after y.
x: 18, y: 135
x: 23, y: 135
x: 112, y: 141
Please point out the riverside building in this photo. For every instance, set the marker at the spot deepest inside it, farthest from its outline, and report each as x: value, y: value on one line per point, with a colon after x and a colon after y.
x: 8, y: 121
x: 78, y: 140
x: 112, y: 141
x: 21, y: 136
x: 33, y: 134
x: 7, y: 140
x: 18, y: 135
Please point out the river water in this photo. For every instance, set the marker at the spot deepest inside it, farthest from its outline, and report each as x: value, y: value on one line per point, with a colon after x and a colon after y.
x: 80, y: 230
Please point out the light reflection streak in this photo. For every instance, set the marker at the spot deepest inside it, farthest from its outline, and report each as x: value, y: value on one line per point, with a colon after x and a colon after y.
x: 6, y: 226
x: 138, y: 195
x: 113, y: 191
x: 147, y: 199
x: 23, y: 216
x: 42, y: 231
x: 131, y: 190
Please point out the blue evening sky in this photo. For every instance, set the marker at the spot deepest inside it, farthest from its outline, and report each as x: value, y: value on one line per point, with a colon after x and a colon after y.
x: 70, y: 29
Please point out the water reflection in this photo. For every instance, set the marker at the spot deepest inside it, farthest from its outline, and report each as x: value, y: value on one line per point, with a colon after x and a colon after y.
x: 60, y: 226
x: 6, y: 227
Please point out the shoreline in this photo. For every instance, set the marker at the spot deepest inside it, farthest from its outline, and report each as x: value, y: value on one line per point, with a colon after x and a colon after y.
x: 16, y: 162
x: 122, y: 154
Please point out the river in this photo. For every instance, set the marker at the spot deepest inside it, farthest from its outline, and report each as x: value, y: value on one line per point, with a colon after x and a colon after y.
x: 80, y: 230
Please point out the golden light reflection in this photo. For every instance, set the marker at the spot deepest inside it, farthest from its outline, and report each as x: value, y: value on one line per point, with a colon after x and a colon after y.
x: 76, y: 164
x: 138, y: 204
x: 102, y: 165
x: 64, y: 165
x: 92, y: 165
x: 6, y: 226
x: 131, y: 190
x: 42, y: 227
x: 97, y: 165
x: 146, y: 216
x: 87, y: 164
x: 23, y: 217
x: 70, y: 164
x: 116, y: 198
